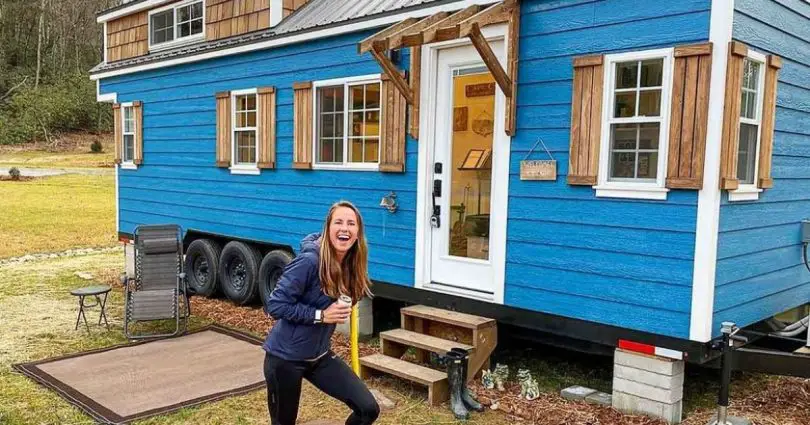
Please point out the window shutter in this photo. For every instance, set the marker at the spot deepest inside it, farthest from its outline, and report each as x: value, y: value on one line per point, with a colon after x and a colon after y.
x: 586, y: 120
x: 689, y: 116
x: 303, y: 116
x: 137, y: 109
x: 731, y: 116
x: 267, y: 127
x: 117, y: 132
x: 224, y: 129
x: 393, y: 125
x: 768, y: 122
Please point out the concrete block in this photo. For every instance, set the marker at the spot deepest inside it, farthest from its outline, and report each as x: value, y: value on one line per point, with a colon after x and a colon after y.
x: 659, y: 365
x: 576, y: 393
x: 639, y: 389
x: 648, y: 378
x: 600, y: 398
x: 629, y: 403
x: 731, y: 420
x: 366, y: 318
x: 129, y: 260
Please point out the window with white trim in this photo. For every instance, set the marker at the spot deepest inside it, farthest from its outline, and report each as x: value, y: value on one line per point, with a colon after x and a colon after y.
x: 128, y: 134
x: 635, y: 124
x: 176, y: 24
x: 750, y: 121
x: 347, y: 123
x: 245, y: 130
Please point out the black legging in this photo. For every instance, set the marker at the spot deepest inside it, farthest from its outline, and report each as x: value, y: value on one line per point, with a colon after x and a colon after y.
x: 329, y: 374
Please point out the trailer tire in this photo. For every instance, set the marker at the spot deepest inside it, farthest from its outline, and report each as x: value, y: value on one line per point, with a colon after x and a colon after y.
x: 202, y: 266
x: 239, y: 272
x: 272, y: 266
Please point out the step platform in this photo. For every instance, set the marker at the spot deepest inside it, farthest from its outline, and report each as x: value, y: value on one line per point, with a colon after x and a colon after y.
x: 432, y: 330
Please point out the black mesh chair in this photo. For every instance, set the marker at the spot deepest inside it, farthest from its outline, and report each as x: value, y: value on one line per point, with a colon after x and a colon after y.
x: 159, y: 286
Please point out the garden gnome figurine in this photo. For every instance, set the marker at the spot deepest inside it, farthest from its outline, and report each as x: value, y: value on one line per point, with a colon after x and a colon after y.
x: 487, y: 379
x: 528, y: 385
x: 501, y: 375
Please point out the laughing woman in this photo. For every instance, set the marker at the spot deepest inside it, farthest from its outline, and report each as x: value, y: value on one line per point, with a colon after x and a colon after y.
x: 305, y: 305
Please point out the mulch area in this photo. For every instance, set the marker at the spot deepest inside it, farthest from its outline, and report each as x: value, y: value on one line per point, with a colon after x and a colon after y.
x: 776, y: 401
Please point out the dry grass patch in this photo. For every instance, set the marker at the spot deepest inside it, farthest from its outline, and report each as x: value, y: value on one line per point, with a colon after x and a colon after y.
x: 70, y: 151
x: 57, y: 213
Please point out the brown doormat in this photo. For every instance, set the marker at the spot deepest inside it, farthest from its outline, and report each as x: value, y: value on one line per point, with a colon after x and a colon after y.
x: 133, y: 381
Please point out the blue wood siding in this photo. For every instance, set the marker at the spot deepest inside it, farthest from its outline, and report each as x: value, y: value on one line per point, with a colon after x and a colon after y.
x: 620, y: 262
x: 759, y: 269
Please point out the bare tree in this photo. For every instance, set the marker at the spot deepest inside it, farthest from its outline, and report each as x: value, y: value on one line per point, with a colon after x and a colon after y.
x: 39, y: 42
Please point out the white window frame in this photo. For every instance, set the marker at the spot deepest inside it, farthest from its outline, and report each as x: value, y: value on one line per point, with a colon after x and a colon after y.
x: 346, y: 83
x: 627, y: 189
x: 249, y: 169
x: 128, y: 165
x: 176, y: 41
x: 750, y: 192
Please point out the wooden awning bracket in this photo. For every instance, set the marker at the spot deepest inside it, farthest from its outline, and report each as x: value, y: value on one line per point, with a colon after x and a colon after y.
x: 443, y: 26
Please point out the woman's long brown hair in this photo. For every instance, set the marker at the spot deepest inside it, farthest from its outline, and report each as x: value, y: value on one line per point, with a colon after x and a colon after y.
x: 351, y: 276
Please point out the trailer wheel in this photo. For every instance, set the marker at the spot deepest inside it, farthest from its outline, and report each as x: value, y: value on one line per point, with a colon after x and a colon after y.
x: 239, y: 272
x: 270, y: 271
x: 202, y: 266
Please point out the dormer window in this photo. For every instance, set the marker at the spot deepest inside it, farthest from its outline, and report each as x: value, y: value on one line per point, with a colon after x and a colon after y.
x: 176, y: 24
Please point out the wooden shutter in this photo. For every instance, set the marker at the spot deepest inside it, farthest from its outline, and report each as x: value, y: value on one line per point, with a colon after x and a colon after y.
x: 303, y: 116
x: 586, y: 120
x: 768, y: 121
x: 393, y: 127
x: 267, y: 127
x: 137, y: 111
x: 117, y: 132
x: 689, y: 116
x: 224, y: 129
x: 415, y: 76
x: 731, y: 116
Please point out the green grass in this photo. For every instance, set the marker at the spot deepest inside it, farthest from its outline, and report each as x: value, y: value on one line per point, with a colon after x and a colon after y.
x: 56, y: 213
x: 44, y: 159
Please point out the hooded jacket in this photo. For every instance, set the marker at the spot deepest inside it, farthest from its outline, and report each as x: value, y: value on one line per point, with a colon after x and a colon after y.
x: 298, y: 293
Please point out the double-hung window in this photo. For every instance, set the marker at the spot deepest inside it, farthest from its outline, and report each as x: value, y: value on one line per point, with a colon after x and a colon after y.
x: 176, y: 24
x: 347, y: 123
x: 245, y: 131
x: 128, y: 134
x: 753, y: 81
x: 635, y: 124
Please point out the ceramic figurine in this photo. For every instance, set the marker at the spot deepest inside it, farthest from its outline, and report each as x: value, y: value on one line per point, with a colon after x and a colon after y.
x: 487, y: 379
x: 501, y: 375
x: 528, y: 385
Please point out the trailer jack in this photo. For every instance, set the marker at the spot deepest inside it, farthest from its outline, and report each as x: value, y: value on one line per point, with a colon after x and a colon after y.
x: 730, y: 336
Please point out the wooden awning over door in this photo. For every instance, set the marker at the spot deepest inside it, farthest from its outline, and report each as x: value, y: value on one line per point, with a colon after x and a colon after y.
x: 445, y: 26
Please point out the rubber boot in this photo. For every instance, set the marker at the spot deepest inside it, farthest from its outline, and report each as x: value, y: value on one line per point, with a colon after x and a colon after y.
x: 466, y: 394
x: 456, y: 381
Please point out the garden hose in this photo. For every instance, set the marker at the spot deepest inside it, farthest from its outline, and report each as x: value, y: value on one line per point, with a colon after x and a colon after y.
x: 353, y: 335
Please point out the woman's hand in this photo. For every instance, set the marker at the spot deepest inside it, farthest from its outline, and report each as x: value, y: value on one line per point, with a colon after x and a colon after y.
x: 337, y: 313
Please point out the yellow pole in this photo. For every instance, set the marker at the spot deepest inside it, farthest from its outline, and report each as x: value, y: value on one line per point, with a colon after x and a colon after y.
x: 355, y: 328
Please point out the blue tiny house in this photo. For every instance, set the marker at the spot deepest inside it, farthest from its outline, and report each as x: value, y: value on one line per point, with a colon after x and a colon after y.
x: 679, y: 131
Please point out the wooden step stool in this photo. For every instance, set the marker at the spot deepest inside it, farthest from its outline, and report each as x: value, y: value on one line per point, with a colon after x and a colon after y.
x: 427, y: 330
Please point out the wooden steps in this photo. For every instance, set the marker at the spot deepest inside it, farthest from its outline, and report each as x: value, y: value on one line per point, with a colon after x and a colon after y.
x: 432, y: 330
x: 435, y: 380
x: 400, y: 339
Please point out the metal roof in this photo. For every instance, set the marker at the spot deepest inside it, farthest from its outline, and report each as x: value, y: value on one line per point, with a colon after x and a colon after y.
x: 315, y: 14
x: 319, y: 13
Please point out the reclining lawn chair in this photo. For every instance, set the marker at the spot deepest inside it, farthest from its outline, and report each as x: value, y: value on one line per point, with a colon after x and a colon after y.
x: 159, y: 285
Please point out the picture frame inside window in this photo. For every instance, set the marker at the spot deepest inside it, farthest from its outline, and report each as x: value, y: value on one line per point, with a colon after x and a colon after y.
x: 347, y: 123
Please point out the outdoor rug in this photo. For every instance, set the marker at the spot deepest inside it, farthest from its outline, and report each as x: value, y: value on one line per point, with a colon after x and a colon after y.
x: 133, y: 381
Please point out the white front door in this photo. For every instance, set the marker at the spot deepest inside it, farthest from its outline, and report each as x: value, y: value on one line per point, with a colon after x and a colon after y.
x: 467, y: 168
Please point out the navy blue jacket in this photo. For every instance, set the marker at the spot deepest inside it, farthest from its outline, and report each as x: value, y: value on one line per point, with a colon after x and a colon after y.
x: 297, y: 295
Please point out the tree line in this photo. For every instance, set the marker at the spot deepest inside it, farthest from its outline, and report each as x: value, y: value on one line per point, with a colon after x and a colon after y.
x: 47, y: 48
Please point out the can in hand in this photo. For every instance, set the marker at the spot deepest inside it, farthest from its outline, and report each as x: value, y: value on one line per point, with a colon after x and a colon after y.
x: 345, y: 300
